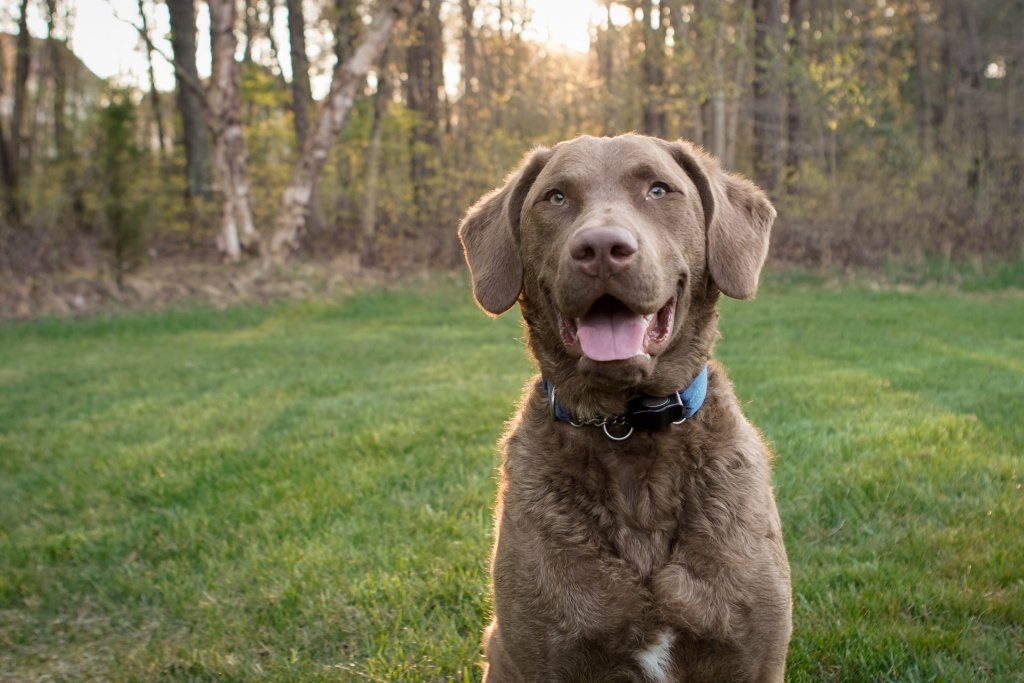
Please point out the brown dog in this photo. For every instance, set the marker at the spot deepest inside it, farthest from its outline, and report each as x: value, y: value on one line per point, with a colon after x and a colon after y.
x: 637, y: 537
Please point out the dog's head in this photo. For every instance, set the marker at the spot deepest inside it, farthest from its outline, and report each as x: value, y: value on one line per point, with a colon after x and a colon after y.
x: 616, y: 249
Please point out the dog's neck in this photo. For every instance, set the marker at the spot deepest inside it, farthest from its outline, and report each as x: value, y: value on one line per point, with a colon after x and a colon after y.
x: 643, y: 412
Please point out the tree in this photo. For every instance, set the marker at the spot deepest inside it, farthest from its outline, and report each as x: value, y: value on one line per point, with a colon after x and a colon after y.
x: 653, y: 69
x: 190, y: 97
x: 768, y: 93
x: 373, y: 154
x: 423, y: 66
x: 119, y: 167
x: 10, y: 145
x: 154, y: 95
x: 348, y: 78
x: 231, y: 174
x: 302, y: 96
x: 794, y: 120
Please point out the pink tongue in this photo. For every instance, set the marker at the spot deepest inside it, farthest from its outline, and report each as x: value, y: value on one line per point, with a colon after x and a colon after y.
x: 612, y: 335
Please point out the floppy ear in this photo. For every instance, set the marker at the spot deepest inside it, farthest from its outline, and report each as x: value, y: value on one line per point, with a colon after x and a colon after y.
x: 738, y: 218
x: 490, y: 237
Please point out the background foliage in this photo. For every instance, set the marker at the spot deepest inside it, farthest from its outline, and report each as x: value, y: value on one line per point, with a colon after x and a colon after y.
x: 887, y: 131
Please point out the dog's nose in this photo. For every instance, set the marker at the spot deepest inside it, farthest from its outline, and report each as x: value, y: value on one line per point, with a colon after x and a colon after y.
x: 603, y: 251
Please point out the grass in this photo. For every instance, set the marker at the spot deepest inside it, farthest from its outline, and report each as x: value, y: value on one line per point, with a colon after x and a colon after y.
x: 303, y: 491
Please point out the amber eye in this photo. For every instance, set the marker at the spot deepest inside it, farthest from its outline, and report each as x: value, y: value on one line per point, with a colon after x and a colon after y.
x: 556, y: 197
x: 657, y: 191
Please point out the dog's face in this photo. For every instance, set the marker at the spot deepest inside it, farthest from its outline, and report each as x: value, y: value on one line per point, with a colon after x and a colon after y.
x: 616, y: 249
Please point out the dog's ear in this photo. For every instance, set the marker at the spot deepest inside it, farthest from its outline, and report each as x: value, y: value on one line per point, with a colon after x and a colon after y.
x: 738, y: 218
x: 490, y: 237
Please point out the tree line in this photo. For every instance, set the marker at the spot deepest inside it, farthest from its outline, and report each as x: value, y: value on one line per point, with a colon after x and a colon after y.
x: 884, y: 130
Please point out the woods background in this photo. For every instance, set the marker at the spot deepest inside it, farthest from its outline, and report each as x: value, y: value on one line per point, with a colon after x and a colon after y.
x: 886, y: 131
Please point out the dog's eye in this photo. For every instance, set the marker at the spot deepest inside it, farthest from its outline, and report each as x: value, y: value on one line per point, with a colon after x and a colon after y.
x: 556, y: 197
x: 657, y: 191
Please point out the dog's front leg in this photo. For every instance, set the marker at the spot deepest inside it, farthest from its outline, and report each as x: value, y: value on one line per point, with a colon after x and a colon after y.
x: 499, y: 667
x: 554, y: 602
x: 692, y: 602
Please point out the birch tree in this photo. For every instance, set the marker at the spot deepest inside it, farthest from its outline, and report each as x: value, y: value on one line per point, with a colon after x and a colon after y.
x: 348, y: 78
x: 230, y: 162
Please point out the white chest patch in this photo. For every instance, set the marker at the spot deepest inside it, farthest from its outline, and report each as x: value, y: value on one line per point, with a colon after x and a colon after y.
x: 656, y: 659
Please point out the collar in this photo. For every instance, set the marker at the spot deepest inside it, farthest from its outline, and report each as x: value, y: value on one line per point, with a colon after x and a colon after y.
x: 643, y: 413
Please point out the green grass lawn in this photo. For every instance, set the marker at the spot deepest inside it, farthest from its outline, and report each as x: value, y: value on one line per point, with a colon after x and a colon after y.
x: 303, y: 492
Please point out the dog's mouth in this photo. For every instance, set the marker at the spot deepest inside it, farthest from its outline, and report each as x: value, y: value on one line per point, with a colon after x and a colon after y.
x: 612, y: 331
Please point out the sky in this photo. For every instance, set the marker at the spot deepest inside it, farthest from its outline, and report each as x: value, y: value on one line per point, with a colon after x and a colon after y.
x: 104, y: 38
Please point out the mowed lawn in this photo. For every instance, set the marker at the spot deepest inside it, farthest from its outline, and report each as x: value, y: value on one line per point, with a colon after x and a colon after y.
x: 303, y: 492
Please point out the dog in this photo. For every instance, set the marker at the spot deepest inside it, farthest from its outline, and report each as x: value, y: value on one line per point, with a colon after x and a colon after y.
x: 636, y: 532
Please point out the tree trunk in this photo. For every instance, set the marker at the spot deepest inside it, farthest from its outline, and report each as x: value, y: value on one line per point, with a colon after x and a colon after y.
x: 468, y: 101
x: 154, y: 95
x: 231, y: 174
x: 301, y: 94
x: 653, y: 71
x: 347, y: 28
x: 268, y: 32
x: 66, y: 155
x: 796, y: 66
x: 349, y: 77
x: 423, y: 66
x: 10, y: 147
x: 249, y: 25
x: 768, y: 133
x: 975, y: 109
x: 190, y: 105
x: 718, y: 94
x: 369, y: 218
x: 23, y: 57
x: 1015, y: 91
x: 348, y: 24
x: 61, y: 136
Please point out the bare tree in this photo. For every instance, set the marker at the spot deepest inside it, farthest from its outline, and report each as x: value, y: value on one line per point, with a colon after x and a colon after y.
x: 190, y: 96
x: 373, y: 154
x: 154, y: 95
x: 302, y: 96
x: 718, y: 123
x: 348, y: 78
x: 231, y: 175
x: 794, y: 120
x: 248, y: 28
x: 10, y: 145
x: 768, y: 92
x: 653, y: 70
x: 422, y: 91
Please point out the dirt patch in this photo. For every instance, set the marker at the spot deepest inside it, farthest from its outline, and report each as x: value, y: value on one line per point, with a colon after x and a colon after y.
x: 163, y: 284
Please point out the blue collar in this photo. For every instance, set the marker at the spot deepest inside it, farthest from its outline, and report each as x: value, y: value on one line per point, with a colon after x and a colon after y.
x: 643, y: 412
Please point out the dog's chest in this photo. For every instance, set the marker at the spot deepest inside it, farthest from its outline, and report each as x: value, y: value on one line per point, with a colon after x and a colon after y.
x: 640, y: 499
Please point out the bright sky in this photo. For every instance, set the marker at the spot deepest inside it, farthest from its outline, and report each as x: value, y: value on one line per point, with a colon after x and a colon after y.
x: 110, y: 47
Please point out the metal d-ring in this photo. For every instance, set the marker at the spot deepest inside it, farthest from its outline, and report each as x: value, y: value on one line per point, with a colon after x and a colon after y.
x: 680, y: 420
x: 616, y: 438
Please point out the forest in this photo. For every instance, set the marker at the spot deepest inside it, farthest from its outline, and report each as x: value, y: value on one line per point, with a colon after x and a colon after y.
x: 885, y: 131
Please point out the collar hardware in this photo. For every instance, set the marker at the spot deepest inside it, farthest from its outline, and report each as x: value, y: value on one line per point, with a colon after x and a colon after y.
x: 643, y: 412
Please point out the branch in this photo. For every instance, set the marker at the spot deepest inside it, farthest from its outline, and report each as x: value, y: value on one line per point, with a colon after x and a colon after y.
x: 183, y: 76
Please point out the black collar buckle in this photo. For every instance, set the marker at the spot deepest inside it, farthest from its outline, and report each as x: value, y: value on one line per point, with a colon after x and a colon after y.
x: 651, y: 413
